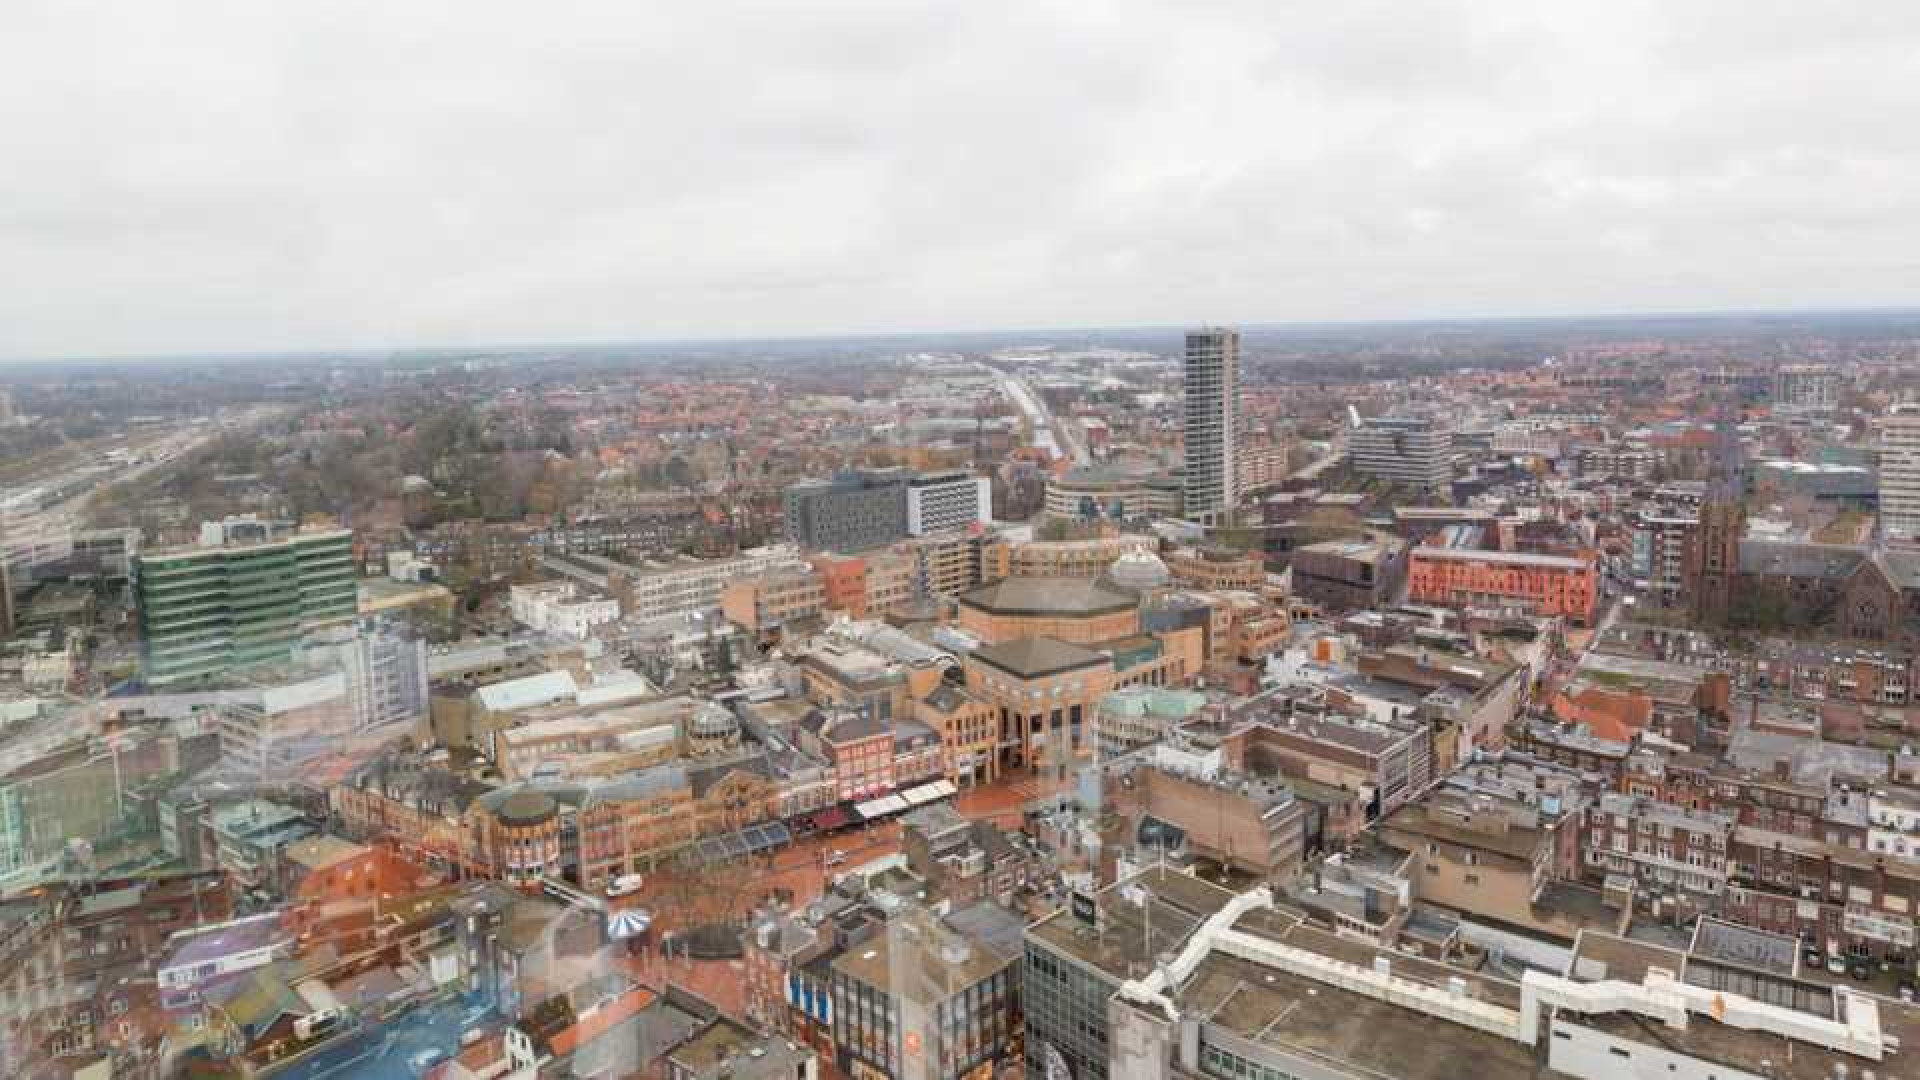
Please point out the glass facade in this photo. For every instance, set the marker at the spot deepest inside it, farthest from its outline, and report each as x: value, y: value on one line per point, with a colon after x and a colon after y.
x: 1066, y: 1008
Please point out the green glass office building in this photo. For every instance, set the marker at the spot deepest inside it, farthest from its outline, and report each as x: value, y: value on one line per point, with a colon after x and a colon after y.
x: 209, y: 609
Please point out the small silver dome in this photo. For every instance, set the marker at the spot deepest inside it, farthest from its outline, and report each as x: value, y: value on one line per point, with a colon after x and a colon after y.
x: 1139, y: 570
x: 713, y: 721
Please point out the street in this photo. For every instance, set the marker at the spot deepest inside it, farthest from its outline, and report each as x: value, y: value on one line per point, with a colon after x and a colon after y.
x: 1048, y: 433
x: 386, y: 1053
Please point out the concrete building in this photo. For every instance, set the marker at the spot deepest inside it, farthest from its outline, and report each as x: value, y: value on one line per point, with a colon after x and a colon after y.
x: 555, y: 607
x: 1251, y: 990
x: 1078, y: 958
x: 1854, y: 486
x: 276, y: 719
x: 385, y: 669
x: 1115, y: 493
x: 1618, y: 462
x: 1492, y: 836
x: 1411, y: 452
x: 670, y: 585
x: 245, y: 595
x: 1806, y: 388
x: 945, y: 564
x: 1900, y: 476
x: 856, y: 510
x: 939, y: 502
x: 1210, y: 427
x: 1347, y: 575
x: 863, y: 509
x: 920, y: 1002
x: 766, y: 604
x: 1216, y: 568
x: 1087, y: 558
x: 1251, y: 824
x: 1659, y: 559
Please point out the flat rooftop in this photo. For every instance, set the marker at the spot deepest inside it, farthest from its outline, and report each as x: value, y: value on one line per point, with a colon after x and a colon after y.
x: 1503, y: 558
x: 1346, y: 1030
x: 1120, y: 947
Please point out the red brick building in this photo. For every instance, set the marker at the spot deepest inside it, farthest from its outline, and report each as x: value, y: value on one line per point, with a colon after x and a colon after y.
x: 1562, y: 585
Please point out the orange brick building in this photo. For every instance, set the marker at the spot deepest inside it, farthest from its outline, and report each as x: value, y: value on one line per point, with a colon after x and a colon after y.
x: 1567, y: 586
x: 1067, y: 609
x: 1217, y: 568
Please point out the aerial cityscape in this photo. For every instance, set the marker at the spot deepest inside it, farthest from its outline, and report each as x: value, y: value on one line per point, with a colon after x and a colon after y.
x: 875, y: 546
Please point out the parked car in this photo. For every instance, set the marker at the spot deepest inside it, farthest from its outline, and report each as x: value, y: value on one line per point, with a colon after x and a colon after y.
x: 426, y: 1059
x: 1907, y: 991
x: 1836, y: 964
x: 836, y: 857
x: 1860, y: 969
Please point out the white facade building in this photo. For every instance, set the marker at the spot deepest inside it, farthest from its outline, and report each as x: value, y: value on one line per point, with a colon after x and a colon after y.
x: 552, y: 608
x: 938, y: 502
x: 682, y: 586
x: 1409, y: 451
x: 1900, y: 475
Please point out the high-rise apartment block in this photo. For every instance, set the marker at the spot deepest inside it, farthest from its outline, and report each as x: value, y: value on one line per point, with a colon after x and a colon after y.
x: 1411, y: 451
x: 1900, y: 476
x: 1211, y: 424
x: 244, y: 595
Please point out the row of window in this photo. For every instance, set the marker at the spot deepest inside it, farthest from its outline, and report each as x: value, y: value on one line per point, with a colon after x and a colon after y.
x: 1230, y: 1066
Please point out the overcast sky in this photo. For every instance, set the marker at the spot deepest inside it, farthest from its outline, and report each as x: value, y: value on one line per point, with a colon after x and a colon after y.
x: 287, y: 175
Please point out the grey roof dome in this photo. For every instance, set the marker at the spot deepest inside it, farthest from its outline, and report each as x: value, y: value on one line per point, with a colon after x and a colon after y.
x: 524, y: 808
x: 713, y: 721
x: 1139, y: 570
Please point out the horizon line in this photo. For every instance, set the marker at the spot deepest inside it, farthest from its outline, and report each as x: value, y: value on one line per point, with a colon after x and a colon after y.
x: 373, y: 351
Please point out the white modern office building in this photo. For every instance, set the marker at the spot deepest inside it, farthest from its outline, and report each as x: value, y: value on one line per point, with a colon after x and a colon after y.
x: 1409, y: 451
x: 938, y: 502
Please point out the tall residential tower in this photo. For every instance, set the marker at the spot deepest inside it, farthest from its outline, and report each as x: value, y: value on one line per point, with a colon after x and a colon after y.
x: 1211, y: 424
x: 1900, y: 476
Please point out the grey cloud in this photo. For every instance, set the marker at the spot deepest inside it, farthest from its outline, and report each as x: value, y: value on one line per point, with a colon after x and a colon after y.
x: 255, y: 176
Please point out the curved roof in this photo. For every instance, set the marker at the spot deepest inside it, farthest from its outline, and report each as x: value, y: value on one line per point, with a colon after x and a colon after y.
x: 1139, y: 570
x: 527, y: 808
x: 1049, y: 596
x: 713, y: 721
